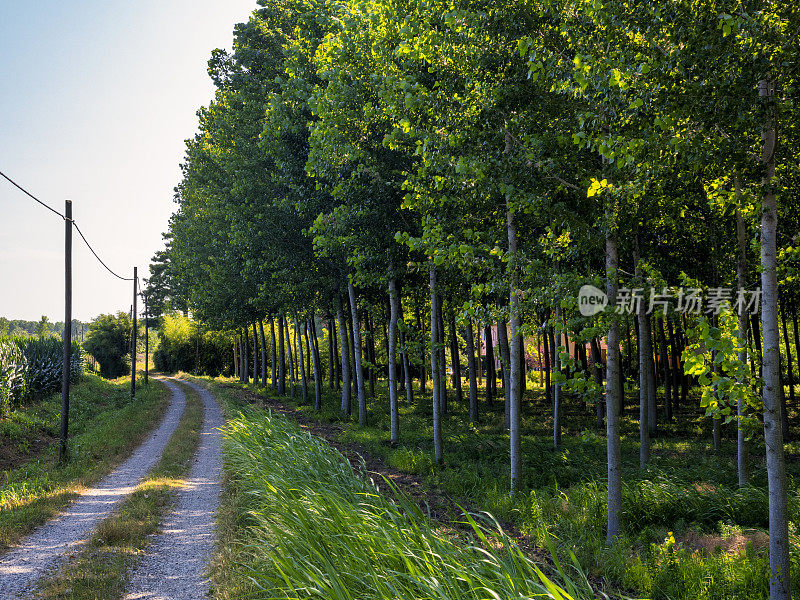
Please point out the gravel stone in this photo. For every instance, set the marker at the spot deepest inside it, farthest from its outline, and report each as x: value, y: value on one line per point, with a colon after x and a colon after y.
x: 175, y: 564
x: 42, y: 551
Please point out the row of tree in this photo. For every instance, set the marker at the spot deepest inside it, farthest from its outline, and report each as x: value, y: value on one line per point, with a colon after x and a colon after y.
x: 42, y: 328
x: 428, y: 168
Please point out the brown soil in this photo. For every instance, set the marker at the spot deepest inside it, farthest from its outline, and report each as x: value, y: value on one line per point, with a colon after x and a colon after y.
x: 734, y: 544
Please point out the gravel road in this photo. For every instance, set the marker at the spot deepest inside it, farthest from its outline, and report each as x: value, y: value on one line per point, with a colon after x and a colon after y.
x: 22, y: 566
x: 175, y: 565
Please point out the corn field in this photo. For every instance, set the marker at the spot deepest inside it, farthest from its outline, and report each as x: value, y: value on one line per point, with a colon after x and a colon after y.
x: 30, y: 366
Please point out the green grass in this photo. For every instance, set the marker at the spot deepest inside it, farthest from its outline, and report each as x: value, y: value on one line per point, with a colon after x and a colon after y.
x: 688, y: 490
x: 105, y: 427
x: 316, y: 530
x: 100, y: 570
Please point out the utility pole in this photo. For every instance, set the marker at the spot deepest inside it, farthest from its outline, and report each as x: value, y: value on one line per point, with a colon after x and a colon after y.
x: 146, y: 340
x: 133, y: 340
x: 62, y: 450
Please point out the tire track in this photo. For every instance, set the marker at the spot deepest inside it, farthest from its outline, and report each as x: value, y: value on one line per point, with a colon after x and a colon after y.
x: 175, y: 565
x: 42, y: 551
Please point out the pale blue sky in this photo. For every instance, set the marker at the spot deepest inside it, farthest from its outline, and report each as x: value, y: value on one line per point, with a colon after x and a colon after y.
x: 96, y: 98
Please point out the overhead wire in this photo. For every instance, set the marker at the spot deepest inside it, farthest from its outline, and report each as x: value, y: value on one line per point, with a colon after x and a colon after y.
x: 88, y: 245
x: 78, y: 229
x: 26, y: 192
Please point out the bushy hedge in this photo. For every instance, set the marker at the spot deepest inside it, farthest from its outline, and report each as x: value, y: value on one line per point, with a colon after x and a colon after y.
x: 184, y: 346
x: 30, y: 366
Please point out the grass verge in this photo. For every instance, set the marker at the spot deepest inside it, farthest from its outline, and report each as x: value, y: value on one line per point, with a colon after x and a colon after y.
x: 315, y: 529
x: 689, y: 532
x: 100, y: 570
x: 106, y: 425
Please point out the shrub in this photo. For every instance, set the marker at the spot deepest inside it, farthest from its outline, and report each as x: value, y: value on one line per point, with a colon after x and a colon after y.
x: 184, y: 346
x: 109, y: 341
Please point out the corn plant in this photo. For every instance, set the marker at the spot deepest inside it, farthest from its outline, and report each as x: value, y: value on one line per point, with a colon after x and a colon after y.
x: 32, y: 366
x: 44, y: 363
x: 12, y: 375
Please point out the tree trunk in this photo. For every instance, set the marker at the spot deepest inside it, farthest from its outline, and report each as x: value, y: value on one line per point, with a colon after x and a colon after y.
x: 796, y: 336
x: 597, y: 369
x: 407, y: 368
x: 301, y: 363
x: 345, y: 408
x: 553, y: 351
x: 394, y: 412
x: 513, y: 354
x: 236, y: 358
x: 502, y: 341
x: 362, y: 398
x: 443, y: 400
x: 455, y: 359
x: 292, y: 361
x: 480, y: 360
x: 332, y: 359
x: 548, y: 391
x: 306, y: 327
x: 523, y: 364
x: 742, y: 445
x: 776, y: 469
x: 540, y: 358
x: 386, y: 341
x: 423, y: 372
x: 255, y: 354
x: 645, y: 354
x: 756, y: 329
x: 665, y: 369
x: 373, y: 370
x: 263, y: 353
x: 435, y: 374
x: 246, y: 357
x: 317, y: 369
x: 676, y: 364
x: 557, y: 386
x: 789, y: 369
x: 281, y: 358
x: 351, y: 352
x: 612, y: 399
x: 487, y: 333
x: 473, y: 384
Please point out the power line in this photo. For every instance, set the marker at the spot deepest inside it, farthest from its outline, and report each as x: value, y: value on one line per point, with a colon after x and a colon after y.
x: 51, y: 209
x: 24, y: 191
x: 88, y: 245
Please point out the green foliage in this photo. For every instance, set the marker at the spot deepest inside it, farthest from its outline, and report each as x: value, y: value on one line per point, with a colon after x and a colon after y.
x: 43, y: 359
x: 109, y: 341
x: 713, y: 358
x: 12, y: 375
x: 184, y: 345
x: 33, y: 366
x: 319, y: 529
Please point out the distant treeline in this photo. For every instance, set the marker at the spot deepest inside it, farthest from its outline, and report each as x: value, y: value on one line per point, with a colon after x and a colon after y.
x: 43, y: 327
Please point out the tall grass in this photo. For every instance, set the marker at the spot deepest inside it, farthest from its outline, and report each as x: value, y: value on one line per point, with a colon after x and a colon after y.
x: 317, y: 530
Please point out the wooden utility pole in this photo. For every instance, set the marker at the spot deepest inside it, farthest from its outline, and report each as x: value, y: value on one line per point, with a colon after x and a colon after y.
x: 146, y: 341
x: 62, y: 451
x: 133, y: 340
